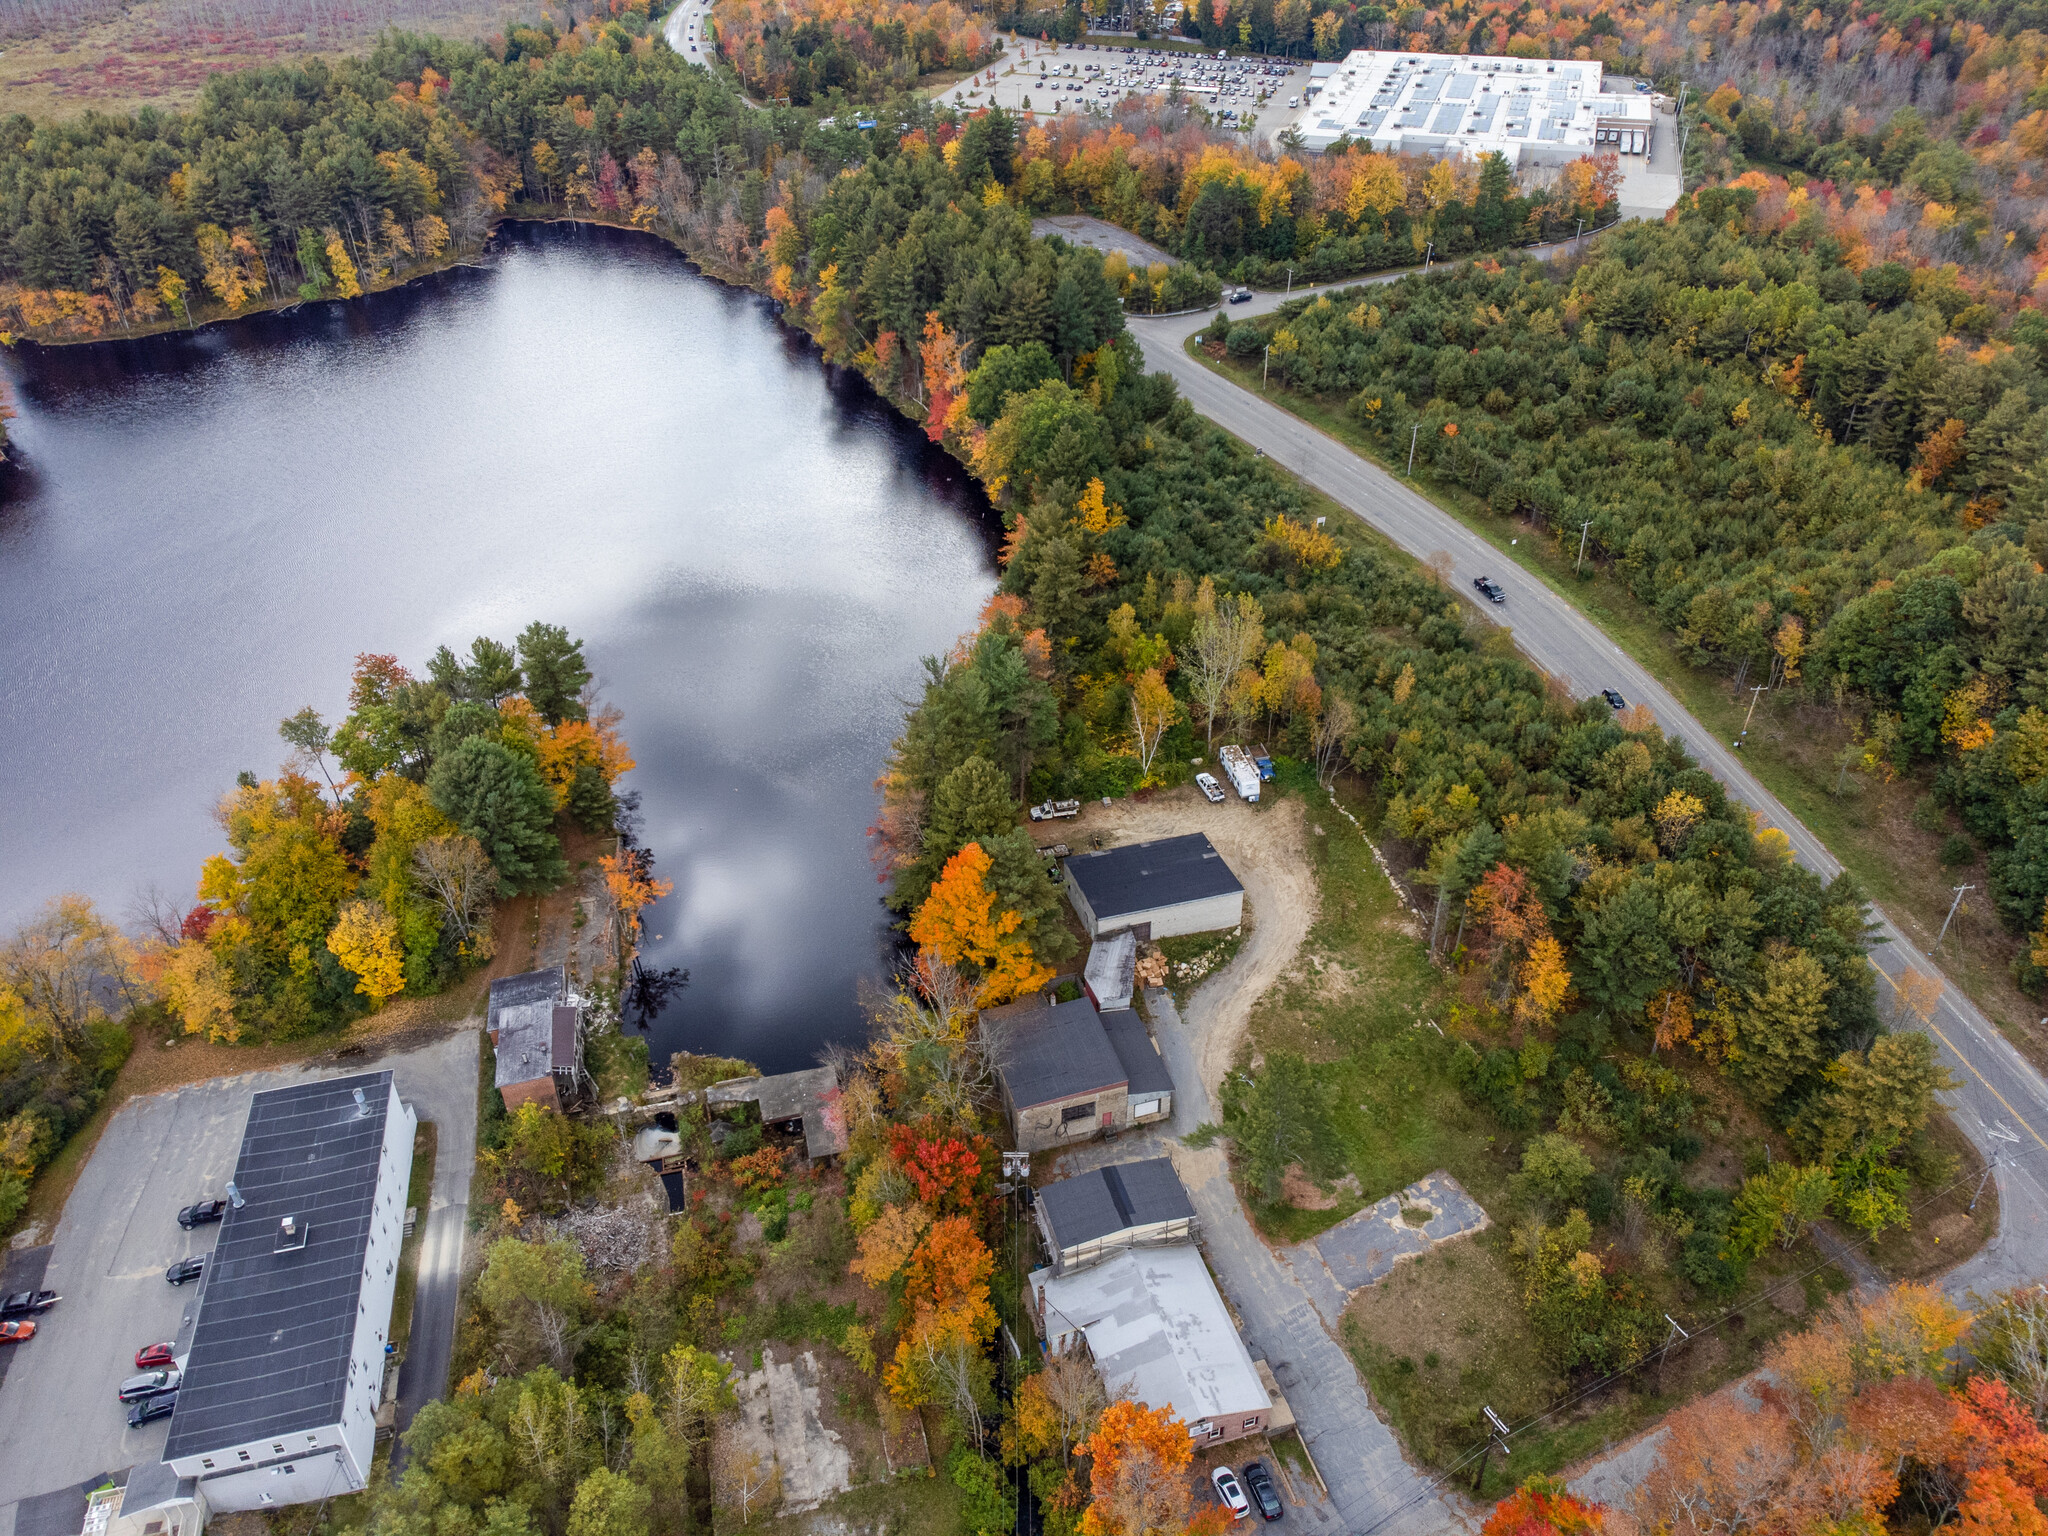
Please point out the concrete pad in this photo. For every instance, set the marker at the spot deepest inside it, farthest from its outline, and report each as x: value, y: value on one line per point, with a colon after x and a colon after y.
x: 780, y: 1418
x: 1363, y: 1249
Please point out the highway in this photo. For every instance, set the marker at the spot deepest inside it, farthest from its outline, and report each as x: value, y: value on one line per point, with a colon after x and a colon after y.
x: 2002, y: 1105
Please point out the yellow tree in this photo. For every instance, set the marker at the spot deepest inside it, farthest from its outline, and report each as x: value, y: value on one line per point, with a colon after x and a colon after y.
x: 1153, y: 711
x: 196, y: 989
x: 346, y: 282
x: 365, y: 939
x: 960, y: 921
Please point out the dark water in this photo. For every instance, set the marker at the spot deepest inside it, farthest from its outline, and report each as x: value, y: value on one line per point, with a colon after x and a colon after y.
x: 202, y: 532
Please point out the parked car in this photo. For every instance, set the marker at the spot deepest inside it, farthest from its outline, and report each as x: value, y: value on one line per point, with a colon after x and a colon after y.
x: 201, y: 1212
x: 1231, y: 1492
x: 27, y: 1303
x: 1264, y: 1494
x: 183, y: 1270
x: 152, y: 1356
x: 150, y: 1384
x: 1614, y: 700
x: 17, y: 1332
x: 1490, y: 589
x: 1240, y: 295
x: 143, y: 1410
x: 1211, y: 790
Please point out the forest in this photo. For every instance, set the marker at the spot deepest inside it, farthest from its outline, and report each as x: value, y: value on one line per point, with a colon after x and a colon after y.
x: 860, y: 50
x: 1892, y: 421
x: 1257, y: 218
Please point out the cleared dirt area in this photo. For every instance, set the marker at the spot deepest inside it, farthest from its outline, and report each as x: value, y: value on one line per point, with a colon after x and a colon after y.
x: 1264, y: 847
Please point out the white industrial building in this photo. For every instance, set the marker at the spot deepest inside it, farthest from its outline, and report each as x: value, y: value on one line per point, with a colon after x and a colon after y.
x: 286, y: 1370
x: 1531, y: 111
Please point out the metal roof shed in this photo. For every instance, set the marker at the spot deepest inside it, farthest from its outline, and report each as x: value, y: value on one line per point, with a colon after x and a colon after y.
x: 1094, y: 1215
x: 1158, y: 890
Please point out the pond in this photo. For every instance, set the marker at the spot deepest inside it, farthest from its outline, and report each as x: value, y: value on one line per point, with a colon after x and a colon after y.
x: 201, y: 532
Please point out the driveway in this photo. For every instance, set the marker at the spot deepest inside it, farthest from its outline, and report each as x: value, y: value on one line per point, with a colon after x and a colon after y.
x: 2000, y: 1087
x: 59, y: 1424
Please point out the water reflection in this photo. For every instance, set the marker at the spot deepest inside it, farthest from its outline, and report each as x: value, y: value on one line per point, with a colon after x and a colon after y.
x: 204, y: 530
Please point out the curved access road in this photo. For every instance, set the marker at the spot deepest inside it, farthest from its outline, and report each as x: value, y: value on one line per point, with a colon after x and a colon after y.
x: 2002, y: 1105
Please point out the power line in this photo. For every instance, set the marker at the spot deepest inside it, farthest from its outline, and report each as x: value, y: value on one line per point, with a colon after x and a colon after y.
x: 1732, y: 1310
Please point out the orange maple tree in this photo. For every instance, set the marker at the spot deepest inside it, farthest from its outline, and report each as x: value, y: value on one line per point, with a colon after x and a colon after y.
x: 1542, y: 1507
x: 950, y: 1269
x: 960, y: 920
x: 944, y: 1169
x: 1138, y: 1483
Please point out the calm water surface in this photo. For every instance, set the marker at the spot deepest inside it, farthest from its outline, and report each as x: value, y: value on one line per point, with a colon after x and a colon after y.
x: 203, y: 532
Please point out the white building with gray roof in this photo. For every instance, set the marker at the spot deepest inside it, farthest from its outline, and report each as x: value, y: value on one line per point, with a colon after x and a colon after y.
x: 1155, y: 1323
x: 1531, y: 111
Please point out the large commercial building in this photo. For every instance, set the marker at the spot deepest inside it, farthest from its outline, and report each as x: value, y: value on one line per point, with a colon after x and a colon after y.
x: 279, y: 1401
x: 1532, y: 111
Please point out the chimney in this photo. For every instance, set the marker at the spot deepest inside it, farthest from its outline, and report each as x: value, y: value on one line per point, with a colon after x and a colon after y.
x: 291, y: 1235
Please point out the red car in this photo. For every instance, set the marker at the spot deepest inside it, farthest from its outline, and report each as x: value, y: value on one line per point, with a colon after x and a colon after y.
x: 154, y: 1356
x: 16, y: 1333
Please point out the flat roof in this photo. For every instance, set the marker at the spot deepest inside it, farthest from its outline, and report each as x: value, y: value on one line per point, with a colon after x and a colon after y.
x: 270, y: 1354
x: 1156, y: 1324
x: 1112, y: 970
x: 1464, y: 104
x: 532, y: 1038
x: 1143, y: 877
x: 1143, y: 1069
x: 1103, y: 1201
x: 1046, y: 1053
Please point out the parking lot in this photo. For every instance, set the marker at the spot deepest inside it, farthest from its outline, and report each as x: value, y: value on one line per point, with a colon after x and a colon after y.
x: 1065, y: 79
x: 59, y: 1422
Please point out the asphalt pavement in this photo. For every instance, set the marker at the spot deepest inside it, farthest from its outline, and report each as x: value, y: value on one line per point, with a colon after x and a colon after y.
x: 59, y: 1424
x: 2002, y: 1105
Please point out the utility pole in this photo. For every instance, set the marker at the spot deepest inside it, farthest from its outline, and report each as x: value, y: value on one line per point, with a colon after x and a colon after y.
x: 1953, y: 908
x: 1411, y: 448
x: 1754, y: 694
x: 1428, y: 249
x: 1583, y: 527
x: 1290, y: 279
x: 1264, y: 365
x: 1498, y: 1441
x: 1998, y: 1133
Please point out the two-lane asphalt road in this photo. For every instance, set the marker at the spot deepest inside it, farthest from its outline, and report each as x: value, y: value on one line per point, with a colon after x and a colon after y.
x: 2001, y: 1091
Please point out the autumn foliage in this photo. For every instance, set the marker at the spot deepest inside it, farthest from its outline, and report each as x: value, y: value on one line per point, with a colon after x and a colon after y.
x: 960, y: 921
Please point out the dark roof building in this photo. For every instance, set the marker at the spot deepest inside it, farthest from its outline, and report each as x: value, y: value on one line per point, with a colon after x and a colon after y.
x: 282, y: 1383
x: 1160, y: 889
x: 1087, y: 1218
x: 1064, y: 1075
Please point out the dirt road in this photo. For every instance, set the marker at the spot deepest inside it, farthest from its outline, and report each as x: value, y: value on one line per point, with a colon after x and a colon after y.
x: 1264, y: 847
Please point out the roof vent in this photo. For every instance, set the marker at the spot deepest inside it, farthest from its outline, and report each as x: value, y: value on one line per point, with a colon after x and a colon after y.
x: 362, y: 1104
x: 291, y: 1235
x: 235, y: 1196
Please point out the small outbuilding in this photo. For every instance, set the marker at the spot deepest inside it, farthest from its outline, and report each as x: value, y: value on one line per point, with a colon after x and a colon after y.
x: 1156, y: 1326
x: 1155, y: 890
x: 1096, y: 1215
x: 1111, y: 973
x: 536, y: 1030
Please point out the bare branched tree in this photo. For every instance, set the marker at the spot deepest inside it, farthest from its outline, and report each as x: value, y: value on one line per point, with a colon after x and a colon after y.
x: 457, y: 873
x: 153, y: 913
